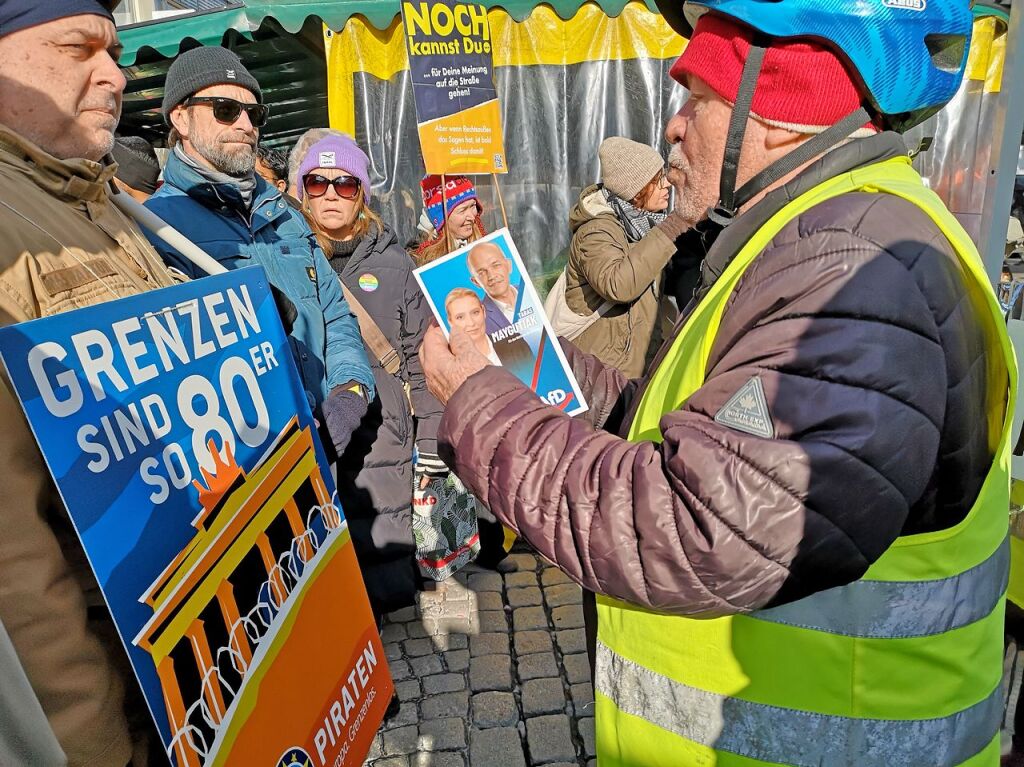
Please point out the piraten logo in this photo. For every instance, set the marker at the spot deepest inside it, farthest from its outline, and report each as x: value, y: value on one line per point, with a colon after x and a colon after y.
x: 295, y: 757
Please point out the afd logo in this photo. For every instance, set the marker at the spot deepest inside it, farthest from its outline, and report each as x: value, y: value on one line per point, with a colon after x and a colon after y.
x: 554, y: 397
x: 906, y: 5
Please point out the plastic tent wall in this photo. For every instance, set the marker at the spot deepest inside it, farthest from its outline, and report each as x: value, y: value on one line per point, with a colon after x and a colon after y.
x: 960, y: 158
x: 564, y: 85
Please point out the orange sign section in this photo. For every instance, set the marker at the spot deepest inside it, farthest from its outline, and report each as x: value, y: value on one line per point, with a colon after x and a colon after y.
x: 339, y: 657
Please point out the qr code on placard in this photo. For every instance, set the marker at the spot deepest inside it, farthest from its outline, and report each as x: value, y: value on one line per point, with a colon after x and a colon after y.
x: 499, y: 161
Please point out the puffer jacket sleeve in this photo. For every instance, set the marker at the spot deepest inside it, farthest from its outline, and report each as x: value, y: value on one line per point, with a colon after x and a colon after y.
x: 345, y: 355
x: 607, y: 392
x: 416, y: 318
x: 620, y: 271
x: 713, y: 520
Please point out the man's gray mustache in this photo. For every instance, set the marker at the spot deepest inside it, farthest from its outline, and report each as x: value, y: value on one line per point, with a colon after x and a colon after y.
x: 103, y: 106
x: 677, y: 160
x: 244, y: 139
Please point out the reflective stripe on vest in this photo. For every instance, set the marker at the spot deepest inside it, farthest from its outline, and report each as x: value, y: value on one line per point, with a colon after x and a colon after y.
x: 902, y: 667
x: 886, y: 610
x: 785, y: 736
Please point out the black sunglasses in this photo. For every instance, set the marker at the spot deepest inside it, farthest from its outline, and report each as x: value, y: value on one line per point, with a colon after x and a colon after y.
x: 227, y: 111
x: 346, y: 187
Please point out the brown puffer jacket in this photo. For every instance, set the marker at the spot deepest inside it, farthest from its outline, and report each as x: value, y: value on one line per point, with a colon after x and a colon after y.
x: 856, y: 322
x: 604, y: 266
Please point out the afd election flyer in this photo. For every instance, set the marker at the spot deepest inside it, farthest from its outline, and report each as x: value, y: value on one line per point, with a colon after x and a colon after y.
x: 182, y: 444
x: 452, y: 70
x: 484, y: 290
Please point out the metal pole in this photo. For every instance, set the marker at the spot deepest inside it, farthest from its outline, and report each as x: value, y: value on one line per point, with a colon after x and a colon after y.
x: 1006, y: 138
x: 444, y: 215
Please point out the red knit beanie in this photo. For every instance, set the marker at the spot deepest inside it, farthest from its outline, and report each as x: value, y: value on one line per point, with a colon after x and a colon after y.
x: 803, y: 86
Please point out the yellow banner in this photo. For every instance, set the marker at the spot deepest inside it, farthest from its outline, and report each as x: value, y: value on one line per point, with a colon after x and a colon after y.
x: 465, y: 143
x: 988, y: 53
x: 452, y: 72
x: 542, y: 39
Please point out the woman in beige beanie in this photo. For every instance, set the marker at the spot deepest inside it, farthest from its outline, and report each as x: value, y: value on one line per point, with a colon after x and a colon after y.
x: 608, y: 297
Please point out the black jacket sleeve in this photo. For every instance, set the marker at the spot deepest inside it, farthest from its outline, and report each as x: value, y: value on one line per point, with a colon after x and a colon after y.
x: 416, y: 318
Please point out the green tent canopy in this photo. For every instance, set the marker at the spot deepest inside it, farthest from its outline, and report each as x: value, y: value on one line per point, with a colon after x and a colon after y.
x: 167, y: 36
x: 280, y: 41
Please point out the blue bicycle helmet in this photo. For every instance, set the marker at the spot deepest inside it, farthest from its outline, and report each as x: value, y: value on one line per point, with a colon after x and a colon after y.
x: 910, y: 54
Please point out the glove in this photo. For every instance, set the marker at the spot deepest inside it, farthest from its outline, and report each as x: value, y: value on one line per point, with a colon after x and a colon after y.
x: 285, y: 308
x: 674, y: 226
x: 343, y: 410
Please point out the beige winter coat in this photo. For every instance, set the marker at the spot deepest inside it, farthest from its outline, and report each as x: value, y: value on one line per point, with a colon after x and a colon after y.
x: 62, y: 246
x: 604, y: 266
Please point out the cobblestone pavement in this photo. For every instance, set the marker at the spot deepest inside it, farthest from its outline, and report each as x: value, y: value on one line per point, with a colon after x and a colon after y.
x: 491, y: 671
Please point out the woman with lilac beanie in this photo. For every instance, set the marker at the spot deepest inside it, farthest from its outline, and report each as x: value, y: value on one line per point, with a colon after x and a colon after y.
x: 376, y: 473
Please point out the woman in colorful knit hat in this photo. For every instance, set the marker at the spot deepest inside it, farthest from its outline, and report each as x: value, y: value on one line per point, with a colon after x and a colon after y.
x: 376, y: 474
x: 453, y: 217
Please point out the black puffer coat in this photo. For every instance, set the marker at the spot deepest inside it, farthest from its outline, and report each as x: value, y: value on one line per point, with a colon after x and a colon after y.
x: 375, y: 475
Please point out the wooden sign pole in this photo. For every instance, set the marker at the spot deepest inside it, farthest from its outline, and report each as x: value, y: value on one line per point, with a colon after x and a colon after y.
x: 444, y: 214
x: 501, y: 200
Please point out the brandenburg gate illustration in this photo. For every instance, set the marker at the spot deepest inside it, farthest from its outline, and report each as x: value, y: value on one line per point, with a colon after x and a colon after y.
x: 220, y: 596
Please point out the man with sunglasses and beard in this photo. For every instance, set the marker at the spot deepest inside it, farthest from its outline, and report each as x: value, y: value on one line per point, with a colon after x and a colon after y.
x: 213, y: 195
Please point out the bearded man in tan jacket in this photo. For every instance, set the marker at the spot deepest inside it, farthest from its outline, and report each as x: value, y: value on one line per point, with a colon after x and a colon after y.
x: 63, y: 245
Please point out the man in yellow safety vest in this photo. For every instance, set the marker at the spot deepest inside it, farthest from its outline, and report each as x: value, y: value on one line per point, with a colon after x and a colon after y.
x: 796, y: 521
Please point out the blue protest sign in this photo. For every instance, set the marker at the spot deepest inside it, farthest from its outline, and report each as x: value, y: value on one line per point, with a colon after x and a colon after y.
x: 182, y: 444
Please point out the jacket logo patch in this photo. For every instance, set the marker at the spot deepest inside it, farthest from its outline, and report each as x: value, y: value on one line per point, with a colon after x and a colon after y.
x: 327, y: 160
x: 906, y: 5
x: 311, y: 273
x: 747, y: 411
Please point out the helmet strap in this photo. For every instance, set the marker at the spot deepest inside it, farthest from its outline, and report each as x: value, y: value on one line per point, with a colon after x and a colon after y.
x: 730, y: 199
x: 727, y: 206
x: 806, y: 152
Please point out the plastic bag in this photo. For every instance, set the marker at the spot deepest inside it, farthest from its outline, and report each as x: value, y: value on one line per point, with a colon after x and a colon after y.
x: 444, y: 526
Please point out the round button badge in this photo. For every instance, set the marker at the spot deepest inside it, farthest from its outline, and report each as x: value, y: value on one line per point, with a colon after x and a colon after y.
x: 368, y: 282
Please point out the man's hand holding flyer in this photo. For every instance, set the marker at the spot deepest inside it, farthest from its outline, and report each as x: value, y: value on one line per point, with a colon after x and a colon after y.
x: 483, y: 290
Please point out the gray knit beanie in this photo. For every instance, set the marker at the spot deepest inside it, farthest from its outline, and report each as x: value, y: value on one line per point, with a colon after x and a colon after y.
x: 200, y: 68
x: 628, y: 166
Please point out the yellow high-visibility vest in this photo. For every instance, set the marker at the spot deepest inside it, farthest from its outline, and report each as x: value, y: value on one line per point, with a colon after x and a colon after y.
x: 899, y: 669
